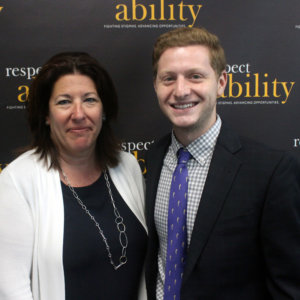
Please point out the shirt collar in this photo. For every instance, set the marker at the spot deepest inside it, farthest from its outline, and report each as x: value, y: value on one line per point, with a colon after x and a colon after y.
x: 202, y: 147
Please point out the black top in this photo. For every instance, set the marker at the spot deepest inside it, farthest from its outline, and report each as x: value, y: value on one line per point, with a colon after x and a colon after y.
x: 88, y: 272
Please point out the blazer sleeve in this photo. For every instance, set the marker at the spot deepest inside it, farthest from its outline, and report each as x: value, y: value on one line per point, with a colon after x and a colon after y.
x: 280, y: 231
x: 16, y: 241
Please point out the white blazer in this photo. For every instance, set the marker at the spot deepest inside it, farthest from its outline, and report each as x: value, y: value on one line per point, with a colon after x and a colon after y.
x: 32, y: 225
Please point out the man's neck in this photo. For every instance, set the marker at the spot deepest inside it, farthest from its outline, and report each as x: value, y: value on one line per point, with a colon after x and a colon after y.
x: 187, y: 135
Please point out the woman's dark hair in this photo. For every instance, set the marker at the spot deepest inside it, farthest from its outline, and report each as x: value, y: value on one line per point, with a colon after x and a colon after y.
x: 107, y: 146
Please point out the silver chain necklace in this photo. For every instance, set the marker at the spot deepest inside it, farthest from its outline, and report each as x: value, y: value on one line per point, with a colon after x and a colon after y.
x: 118, y: 220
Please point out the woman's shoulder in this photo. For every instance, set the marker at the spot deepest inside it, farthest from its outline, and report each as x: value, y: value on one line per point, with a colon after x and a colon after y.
x: 128, y: 166
x: 127, y: 158
x: 24, y: 161
x: 129, y: 163
x: 24, y: 165
x: 20, y: 176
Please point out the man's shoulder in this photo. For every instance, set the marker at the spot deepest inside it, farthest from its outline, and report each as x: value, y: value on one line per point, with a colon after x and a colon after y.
x: 161, y: 144
x: 251, y: 151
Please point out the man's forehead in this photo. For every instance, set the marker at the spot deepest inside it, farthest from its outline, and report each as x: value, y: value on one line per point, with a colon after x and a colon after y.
x: 191, y: 57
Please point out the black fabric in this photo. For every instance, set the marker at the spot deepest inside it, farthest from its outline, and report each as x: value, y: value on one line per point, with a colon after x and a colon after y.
x: 246, y: 236
x: 88, y: 272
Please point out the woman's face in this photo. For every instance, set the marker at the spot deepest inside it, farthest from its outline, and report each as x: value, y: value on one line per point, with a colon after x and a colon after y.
x: 75, y: 115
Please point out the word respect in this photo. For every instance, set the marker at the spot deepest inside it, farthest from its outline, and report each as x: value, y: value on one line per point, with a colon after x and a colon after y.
x: 27, y: 72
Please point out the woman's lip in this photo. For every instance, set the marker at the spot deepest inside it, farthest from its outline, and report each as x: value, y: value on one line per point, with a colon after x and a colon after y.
x: 78, y: 129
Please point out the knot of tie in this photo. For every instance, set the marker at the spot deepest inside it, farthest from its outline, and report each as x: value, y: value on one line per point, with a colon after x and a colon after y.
x: 183, y: 156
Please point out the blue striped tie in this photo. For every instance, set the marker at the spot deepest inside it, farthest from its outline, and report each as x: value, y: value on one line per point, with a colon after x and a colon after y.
x: 177, y: 233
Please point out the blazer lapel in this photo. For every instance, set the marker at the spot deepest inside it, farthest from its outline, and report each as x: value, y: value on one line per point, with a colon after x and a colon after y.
x: 223, y: 169
x: 155, y: 159
x: 154, y: 166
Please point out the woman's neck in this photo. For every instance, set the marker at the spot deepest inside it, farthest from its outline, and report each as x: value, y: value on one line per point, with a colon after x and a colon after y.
x: 80, y: 171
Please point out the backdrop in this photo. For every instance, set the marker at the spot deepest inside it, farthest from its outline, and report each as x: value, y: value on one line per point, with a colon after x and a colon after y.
x: 261, y: 40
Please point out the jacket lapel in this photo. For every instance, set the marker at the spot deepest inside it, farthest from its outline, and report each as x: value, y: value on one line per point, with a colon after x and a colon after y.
x: 154, y: 166
x: 223, y: 169
x: 155, y: 159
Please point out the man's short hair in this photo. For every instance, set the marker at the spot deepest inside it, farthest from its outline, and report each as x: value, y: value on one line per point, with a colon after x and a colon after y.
x: 186, y: 36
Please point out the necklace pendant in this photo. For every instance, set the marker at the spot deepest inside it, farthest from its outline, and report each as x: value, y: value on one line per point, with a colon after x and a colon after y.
x: 118, y: 221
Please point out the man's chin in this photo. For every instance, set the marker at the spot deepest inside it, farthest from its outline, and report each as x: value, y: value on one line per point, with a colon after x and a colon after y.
x: 184, y: 124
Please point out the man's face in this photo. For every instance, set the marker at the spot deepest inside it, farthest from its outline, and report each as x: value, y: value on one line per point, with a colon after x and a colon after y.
x: 187, y: 88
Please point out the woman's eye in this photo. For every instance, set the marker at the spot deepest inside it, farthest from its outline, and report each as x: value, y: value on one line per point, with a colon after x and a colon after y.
x: 168, y: 79
x: 63, y: 102
x: 90, y: 100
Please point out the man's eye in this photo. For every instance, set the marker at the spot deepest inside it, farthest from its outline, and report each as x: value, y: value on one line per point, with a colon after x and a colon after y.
x: 196, y: 76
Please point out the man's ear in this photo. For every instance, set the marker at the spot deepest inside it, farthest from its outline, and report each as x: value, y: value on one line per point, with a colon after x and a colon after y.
x: 222, y: 81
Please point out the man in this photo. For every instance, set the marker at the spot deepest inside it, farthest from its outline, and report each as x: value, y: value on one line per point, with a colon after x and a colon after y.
x: 243, y: 199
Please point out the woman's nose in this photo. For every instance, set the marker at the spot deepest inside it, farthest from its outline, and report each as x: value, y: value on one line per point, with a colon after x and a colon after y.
x: 78, y: 111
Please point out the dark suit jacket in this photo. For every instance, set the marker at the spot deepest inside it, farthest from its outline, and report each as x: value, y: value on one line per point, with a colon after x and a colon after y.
x: 245, y: 243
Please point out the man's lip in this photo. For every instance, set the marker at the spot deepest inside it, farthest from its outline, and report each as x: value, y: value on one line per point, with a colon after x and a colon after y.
x: 184, y: 105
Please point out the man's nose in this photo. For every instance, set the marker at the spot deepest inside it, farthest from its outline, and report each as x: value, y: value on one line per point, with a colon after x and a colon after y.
x: 182, y: 88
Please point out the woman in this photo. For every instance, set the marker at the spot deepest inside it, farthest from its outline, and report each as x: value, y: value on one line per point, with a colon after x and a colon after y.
x: 71, y: 208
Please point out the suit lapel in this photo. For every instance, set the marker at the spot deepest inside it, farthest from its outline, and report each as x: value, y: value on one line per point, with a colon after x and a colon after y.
x: 155, y: 159
x: 223, y: 169
x: 154, y: 166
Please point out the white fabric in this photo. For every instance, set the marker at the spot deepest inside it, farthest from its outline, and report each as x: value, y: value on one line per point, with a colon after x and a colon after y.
x: 32, y: 224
